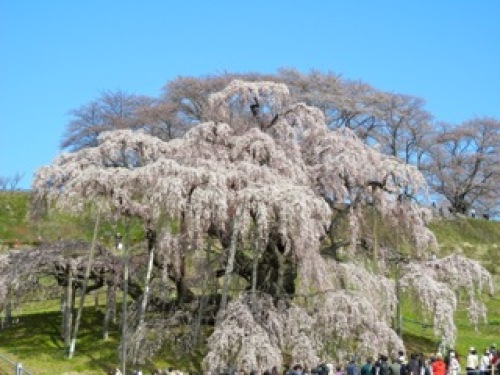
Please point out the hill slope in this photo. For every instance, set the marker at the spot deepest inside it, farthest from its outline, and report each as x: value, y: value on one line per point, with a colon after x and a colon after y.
x: 475, y: 238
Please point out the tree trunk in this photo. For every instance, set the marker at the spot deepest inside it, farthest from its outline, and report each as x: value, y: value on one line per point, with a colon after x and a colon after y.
x: 8, y: 312
x: 399, y: 325
x: 272, y: 272
x: 63, y: 312
x: 230, y: 261
x: 144, y: 302
x: 84, y: 288
x: 280, y: 281
x: 203, y: 299
x: 125, y: 293
x: 374, y: 228
x: 459, y: 204
x: 114, y: 311
x: 110, y: 307
x: 64, y: 299
x: 96, y: 300
x: 7, y: 321
x: 151, y: 235
x: 68, y: 314
x: 179, y: 279
x: 255, y: 264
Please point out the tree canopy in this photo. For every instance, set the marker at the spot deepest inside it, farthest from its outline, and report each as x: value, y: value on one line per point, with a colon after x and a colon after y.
x: 398, y: 124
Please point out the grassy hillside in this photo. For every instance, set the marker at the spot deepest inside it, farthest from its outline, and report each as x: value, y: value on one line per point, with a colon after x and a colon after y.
x: 474, y: 238
x: 16, y: 228
x: 35, y: 340
x: 477, y: 239
x: 13, y: 215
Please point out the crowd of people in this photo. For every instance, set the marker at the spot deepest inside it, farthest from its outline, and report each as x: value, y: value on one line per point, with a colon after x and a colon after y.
x: 486, y: 363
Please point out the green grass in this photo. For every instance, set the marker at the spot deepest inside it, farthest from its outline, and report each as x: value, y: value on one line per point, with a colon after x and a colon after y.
x: 35, y: 340
x: 13, y: 215
x: 472, y: 231
x: 16, y: 228
x: 420, y: 337
x: 478, y: 239
x: 475, y: 238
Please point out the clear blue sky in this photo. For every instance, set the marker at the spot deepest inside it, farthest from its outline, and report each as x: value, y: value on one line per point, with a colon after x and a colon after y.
x: 58, y: 55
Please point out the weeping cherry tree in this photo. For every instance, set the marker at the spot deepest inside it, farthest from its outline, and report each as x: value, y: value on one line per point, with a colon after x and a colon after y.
x: 266, y: 181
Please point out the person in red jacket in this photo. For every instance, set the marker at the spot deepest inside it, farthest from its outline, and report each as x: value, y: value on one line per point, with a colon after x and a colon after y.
x: 438, y: 366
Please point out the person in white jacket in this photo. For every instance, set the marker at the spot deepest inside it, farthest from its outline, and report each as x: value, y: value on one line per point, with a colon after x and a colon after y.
x: 484, y: 363
x: 472, y: 363
x: 454, y: 366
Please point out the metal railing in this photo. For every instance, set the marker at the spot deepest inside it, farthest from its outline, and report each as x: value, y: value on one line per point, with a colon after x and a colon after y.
x: 15, y: 367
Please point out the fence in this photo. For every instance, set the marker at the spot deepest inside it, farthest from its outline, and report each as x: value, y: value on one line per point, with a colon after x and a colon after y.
x: 15, y: 367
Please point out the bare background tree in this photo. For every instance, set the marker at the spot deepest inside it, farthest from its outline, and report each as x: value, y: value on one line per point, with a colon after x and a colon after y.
x: 11, y: 183
x: 111, y: 111
x: 464, y: 165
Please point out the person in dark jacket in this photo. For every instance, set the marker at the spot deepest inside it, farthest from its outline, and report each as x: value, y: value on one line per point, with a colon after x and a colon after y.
x: 366, y: 369
x: 351, y: 368
x: 297, y: 370
x: 413, y: 367
x: 384, y: 366
x: 376, y: 365
x: 395, y: 367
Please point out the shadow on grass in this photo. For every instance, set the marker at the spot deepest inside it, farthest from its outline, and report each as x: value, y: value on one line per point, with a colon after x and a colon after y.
x: 419, y: 344
x: 36, y: 341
